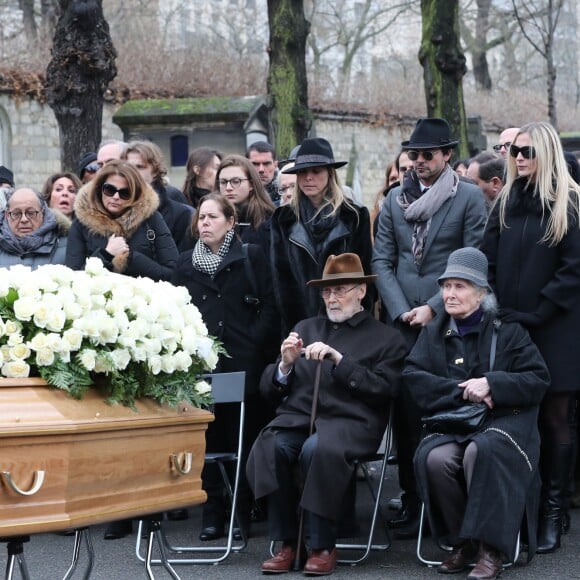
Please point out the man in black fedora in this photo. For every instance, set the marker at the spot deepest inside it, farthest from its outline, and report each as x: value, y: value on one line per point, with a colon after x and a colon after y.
x: 421, y: 222
x: 319, y: 433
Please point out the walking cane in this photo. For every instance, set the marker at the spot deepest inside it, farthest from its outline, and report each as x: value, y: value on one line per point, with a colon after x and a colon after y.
x: 312, y: 420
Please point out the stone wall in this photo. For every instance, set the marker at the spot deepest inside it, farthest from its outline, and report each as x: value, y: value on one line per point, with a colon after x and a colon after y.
x: 29, y: 143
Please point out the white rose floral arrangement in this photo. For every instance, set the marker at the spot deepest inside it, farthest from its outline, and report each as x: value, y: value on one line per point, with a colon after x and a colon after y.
x: 132, y: 336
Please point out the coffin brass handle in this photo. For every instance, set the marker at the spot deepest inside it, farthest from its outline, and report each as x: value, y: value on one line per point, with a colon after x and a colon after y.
x: 182, y: 462
x: 36, y: 484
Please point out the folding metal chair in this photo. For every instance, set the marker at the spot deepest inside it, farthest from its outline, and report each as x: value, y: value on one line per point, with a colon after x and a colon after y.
x: 382, y: 456
x: 226, y: 388
x: 433, y: 563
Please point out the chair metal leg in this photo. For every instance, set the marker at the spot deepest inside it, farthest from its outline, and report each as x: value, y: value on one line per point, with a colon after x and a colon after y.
x: 80, y: 535
x: 16, y: 557
x: 154, y: 533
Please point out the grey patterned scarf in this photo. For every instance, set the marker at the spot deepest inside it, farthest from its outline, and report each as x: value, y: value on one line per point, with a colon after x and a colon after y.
x: 420, y: 208
x: 204, y: 260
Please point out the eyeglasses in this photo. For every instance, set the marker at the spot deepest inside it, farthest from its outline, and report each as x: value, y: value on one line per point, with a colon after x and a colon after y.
x: 528, y: 152
x: 16, y: 215
x: 338, y: 291
x: 500, y: 146
x: 427, y: 155
x: 92, y: 168
x: 235, y: 182
x: 110, y: 190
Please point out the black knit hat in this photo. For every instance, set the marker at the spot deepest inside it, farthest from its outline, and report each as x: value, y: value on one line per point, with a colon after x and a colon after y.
x: 6, y: 176
x: 467, y: 264
x: 86, y: 159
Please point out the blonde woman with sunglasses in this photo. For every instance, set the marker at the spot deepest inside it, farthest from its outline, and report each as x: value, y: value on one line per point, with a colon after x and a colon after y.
x: 117, y: 221
x: 532, y: 242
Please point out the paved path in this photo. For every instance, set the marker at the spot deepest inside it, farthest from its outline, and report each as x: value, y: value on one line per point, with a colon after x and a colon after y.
x: 48, y: 557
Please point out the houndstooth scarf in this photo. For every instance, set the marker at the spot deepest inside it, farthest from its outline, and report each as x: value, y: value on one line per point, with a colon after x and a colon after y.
x: 204, y: 260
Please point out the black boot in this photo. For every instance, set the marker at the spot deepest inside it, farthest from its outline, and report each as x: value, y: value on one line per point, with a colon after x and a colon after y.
x: 553, y: 492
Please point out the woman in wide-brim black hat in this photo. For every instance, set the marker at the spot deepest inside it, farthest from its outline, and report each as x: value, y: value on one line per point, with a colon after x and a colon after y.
x: 320, y: 220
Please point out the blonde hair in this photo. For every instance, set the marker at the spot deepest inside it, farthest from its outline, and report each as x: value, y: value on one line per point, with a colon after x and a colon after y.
x: 551, y: 181
x: 334, y: 196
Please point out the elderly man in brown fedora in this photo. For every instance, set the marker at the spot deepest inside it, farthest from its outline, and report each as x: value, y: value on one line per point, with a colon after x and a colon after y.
x: 359, y: 360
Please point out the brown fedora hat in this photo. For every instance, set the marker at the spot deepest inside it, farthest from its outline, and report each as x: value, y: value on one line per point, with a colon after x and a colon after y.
x: 340, y: 269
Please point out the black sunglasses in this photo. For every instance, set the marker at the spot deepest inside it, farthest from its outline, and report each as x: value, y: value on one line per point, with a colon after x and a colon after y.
x: 528, y: 152
x: 110, y: 190
x: 427, y: 155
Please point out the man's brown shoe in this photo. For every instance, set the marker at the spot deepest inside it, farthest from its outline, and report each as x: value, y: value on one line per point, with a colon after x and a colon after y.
x: 320, y: 563
x: 281, y: 562
x: 489, y: 566
x: 459, y: 559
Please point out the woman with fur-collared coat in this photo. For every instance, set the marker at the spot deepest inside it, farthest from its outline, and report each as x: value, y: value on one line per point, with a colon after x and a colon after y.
x: 319, y: 221
x: 117, y: 221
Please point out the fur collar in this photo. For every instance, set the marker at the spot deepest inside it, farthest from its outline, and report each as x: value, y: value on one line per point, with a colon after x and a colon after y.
x: 94, y: 217
x: 63, y: 222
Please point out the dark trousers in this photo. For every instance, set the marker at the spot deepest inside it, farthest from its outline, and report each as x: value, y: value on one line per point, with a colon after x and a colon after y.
x: 294, y: 449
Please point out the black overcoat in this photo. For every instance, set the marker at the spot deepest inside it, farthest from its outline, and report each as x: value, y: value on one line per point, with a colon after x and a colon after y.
x: 505, y: 477
x: 352, y: 407
x: 295, y: 260
x: 529, y: 276
x: 249, y: 333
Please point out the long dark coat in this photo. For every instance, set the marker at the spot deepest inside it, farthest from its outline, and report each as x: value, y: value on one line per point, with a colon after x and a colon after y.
x: 250, y: 335
x: 93, y: 226
x: 352, y: 407
x: 295, y: 260
x: 508, y: 447
x: 529, y: 276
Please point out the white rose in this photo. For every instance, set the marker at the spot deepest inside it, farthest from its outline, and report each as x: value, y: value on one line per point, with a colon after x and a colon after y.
x: 103, y: 364
x: 72, y: 310
x: 108, y: 331
x: 94, y: 267
x: 203, y: 387
x: 12, y: 327
x: 168, y: 364
x: 39, y: 341
x: 44, y: 357
x: 121, y: 358
x: 24, y: 308
x: 73, y: 339
x: 56, y: 320
x: 182, y: 361
x: 154, y: 364
x: 15, y: 369
x: 15, y: 339
x: 88, y: 358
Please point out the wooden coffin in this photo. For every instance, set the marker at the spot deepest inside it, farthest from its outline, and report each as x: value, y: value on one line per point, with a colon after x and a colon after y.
x: 95, y: 462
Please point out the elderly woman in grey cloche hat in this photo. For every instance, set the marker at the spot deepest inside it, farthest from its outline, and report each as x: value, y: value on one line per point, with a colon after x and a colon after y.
x: 477, y: 482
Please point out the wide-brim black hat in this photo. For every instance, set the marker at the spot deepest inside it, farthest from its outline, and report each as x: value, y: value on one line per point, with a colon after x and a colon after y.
x: 430, y: 133
x: 314, y: 153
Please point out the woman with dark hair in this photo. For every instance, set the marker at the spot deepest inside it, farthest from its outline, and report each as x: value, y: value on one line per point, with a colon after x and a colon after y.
x: 532, y: 241
x: 117, y: 221
x: 232, y: 287
x: 60, y: 191
x: 238, y: 180
x: 320, y: 220
x: 202, y: 166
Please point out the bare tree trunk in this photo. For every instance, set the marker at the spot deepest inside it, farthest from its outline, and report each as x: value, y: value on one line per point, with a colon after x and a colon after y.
x: 480, y: 65
x: 82, y: 65
x: 290, y: 117
x: 444, y: 66
x: 49, y: 13
x: 28, y: 22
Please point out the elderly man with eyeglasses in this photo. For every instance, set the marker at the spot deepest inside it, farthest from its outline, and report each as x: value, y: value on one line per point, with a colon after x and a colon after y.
x: 505, y: 140
x: 357, y: 363
x: 30, y: 233
x: 429, y: 216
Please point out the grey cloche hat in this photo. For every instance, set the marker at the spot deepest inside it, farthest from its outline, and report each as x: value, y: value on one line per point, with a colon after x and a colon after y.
x: 467, y: 264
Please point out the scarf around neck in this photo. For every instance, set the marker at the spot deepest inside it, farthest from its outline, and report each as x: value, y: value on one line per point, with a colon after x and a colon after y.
x: 318, y: 223
x: 419, y: 208
x: 204, y: 260
x: 45, y: 235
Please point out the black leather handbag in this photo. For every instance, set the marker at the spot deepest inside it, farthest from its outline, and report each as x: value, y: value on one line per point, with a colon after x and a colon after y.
x: 467, y: 418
